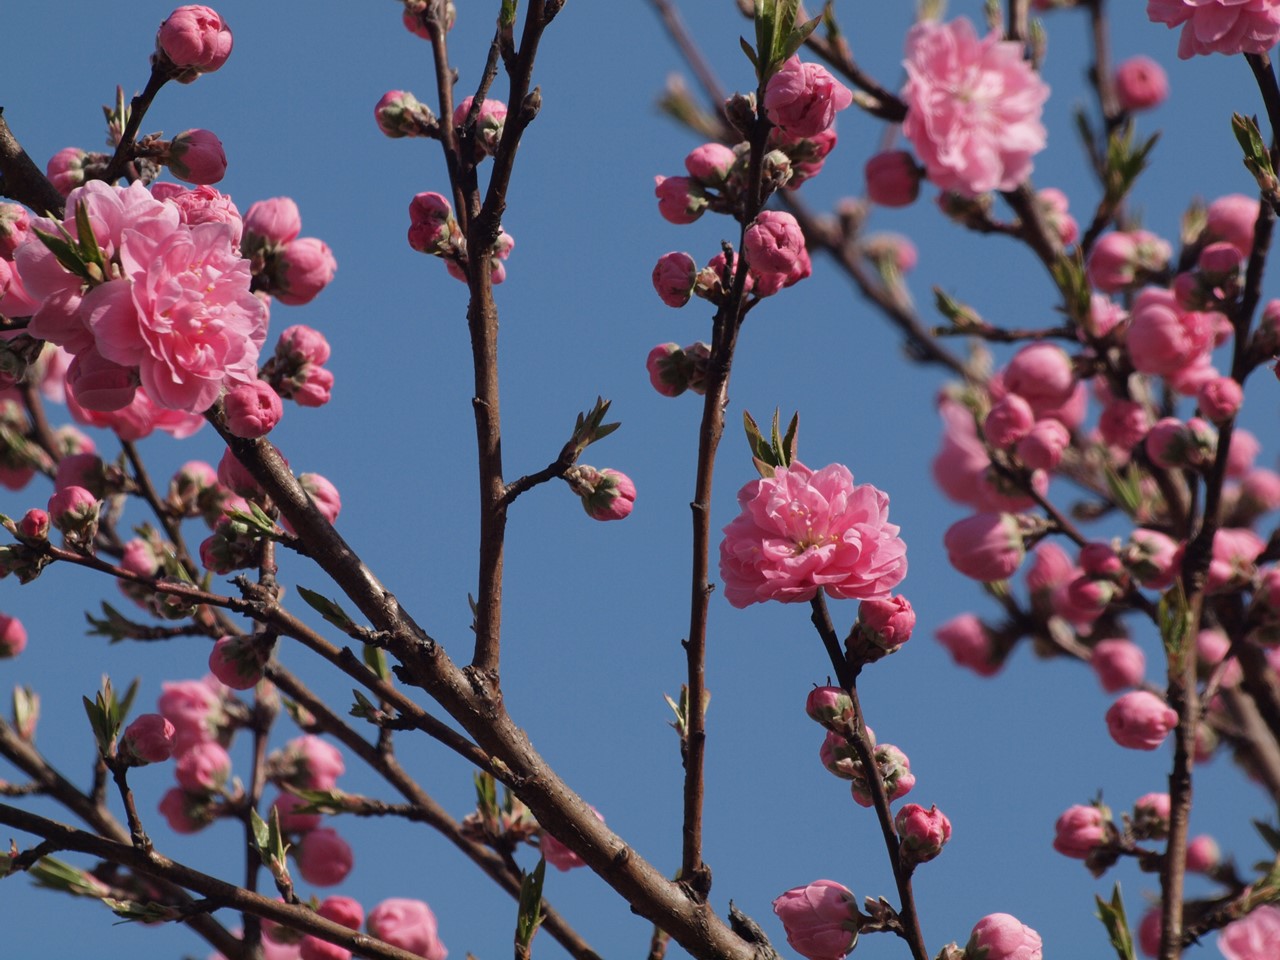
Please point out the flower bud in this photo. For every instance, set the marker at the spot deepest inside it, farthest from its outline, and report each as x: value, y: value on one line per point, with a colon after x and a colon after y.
x: 1119, y: 664
x: 186, y: 812
x: 674, y: 276
x: 895, y: 771
x: 34, y: 524
x: 274, y: 222
x: 999, y: 936
x: 803, y: 98
x: 1140, y: 720
x: 305, y: 267
x: 606, y: 494
x: 820, y: 918
x: 1123, y: 424
x: 1220, y: 399
x: 893, y: 179
x: 432, y: 228
x: 15, y: 229
x: 1052, y: 204
x: 399, y: 114
x: 196, y: 156
x: 1042, y: 448
x: 886, y: 623
x: 1009, y: 420
x: 66, y: 169
x: 324, y: 858
x: 557, y: 854
x: 986, y: 546
x: 1150, y: 818
x: 203, y: 768
x: 923, y: 833
x: 1149, y: 932
x: 1231, y: 219
x: 1203, y: 854
x: 291, y: 822
x: 1173, y: 444
x: 409, y: 925
x: 489, y: 123
x: 149, y: 739
x: 13, y: 637
x: 831, y: 707
x: 193, y: 40
x: 253, y: 409
x: 839, y: 757
x: 238, y: 660
x: 74, y: 511
x: 1081, y: 830
x: 710, y: 164
x: 971, y: 644
x: 1141, y: 84
x: 680, y: 200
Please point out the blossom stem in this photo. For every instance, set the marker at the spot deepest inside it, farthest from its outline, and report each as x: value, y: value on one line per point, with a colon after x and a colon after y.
x: 128, y: 138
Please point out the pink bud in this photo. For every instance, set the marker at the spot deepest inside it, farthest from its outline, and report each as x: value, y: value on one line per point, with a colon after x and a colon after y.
x: 324, y: 858
x: 893, y: 179
x: 409, y: 925
x: 886, y: 623
x: 1050, y: 568
x: 774, y: 242
x: 196, y: 156
x: 291, y: 822
x: 1079, y: 831
x: 399, y: 114
x: 710, y: 164
x: 1099, y: 559
x: 1231, y: 219
x: 305, y: 268
x: 970, y: 643
x: 275, y: 220
x: 1123, y: 424
x: 1104, y: 316
x: 15, y: 229
x: 1165, y: 339
x: 831, y: 707
x: 606, y: 494
x: 13, y: 636
x: 680, y: 200
x: 149, y: 739
x: 203, y: 768
x: 1220, y: 399
x: 233, y: 475
x: 923, y: 832
x: 253, y: 409
x: 323, y: 494
x: 195, y: 40
x: 999, y: 936
x: 34, y: 524
x: 74, y: 510
x: 1140, y: 720
x: 895, y: 772
x: 669, y: 369
x: 1149, y: 931
x: 1203, y: 855
x: 184, y: 812
x: 313, y: 948
x: 820, y: 919
x: 1042, y: 448
x: 1173, y: 444
x: 1118, y: 663
x: 673, y: 278
x: 1009, y: 420
x: 65, y: 169
x: 343, y: 910
x: 432, y: 227
x: 1042, y: 375
x: 1233, y: 563
x: 238, y: 660
x: 1243, y: 452
x: 1151, y: 816
x: 803, y: 98
x: 309, y: 762
x: 557, y: 854
x: 490, y: 120
x: 1141, y: 84
x: 1052, y: 204
x: 986, y: 546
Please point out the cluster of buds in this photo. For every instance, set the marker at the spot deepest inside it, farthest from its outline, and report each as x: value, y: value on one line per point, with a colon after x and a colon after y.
x: 433, y: 230
x: 291, y: 268
x: 297, y: 371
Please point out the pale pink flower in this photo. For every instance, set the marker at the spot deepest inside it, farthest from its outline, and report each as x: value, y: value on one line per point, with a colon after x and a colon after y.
x: 802, y: 531
x: 973, y: 107
x: 803, y: 98
x: 1219, y: 26
x: 202, y: 204
x: 1141, y: 84
x: 409, y: 925
x: 820, y: 919
x: 1254, y: 937
x: 999, y: 936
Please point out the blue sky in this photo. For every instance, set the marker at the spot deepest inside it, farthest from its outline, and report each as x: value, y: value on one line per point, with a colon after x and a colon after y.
x: 595, y: 612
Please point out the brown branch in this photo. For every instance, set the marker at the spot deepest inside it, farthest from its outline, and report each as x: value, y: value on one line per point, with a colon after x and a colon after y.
x: 137, y: 110
x: 21, y: 179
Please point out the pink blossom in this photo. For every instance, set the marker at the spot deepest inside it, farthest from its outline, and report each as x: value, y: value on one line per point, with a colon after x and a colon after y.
x: 803, y: 98
x: 276, y: 220
x: 680, y: 200
x: 1141, y: 84
x: 802, y: 531
x: 1119, y: 663
x: 669, y: 369
x: 148, y: 739
x: 710, y: 163
x: 1123, y: 424
x: 324, y: 858
x: 323, y: 494
x: 559, y: 855
x: 195, y: 40
x: 673, y: 278
x: 893, y: 179
x: 409, y: 925
x: 1254, y: 937
x: 202, y: 204
x: 73, y: 509
x: 1140, y: 720
x: 304, y: 344
x: 1219, y: 26
x: 973, y: 107
x: 306, y: 266
x: 970, y: 643
x: 1260, y: 490
x: 1053, y: 206
x: 97, y: 384
x: 197, y: 156
x: 1079, y: 831
x: 1173, y: 444
x: 203, y: 768
x: 820, y: 919
x: 986, y: 546
x: 432, y: 227
x: 999, y: 936
x: 253, y: 409
x: 1104, y: 317
x: 924, y: 832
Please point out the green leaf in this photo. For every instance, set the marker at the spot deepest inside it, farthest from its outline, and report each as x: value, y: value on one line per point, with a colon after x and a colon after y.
x: 1126, y: 490
x: 751, y: 54
x: 365, y: 708
x: 375, y: 658
x: 1113, y: 918
x: 1175, y: 625
x: 66, y: 254
x: 89, y: 250
x: 796, y: 38
x: 327, y: 608
x: 530, y: 916
x: 790, y: 442
x: 1268, y: 833
x: 507, y: 16
x: 261, y: 832
x: 131, y: 911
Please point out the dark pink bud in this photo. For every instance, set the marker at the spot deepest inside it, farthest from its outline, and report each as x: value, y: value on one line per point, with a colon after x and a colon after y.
x: 238, y: 661
x: 1203, y: 855
x: 803, y: 98
x: 185, y: 812
x: 886, y: 623
x: 893, y: 179
x: 674, y: 276
x: 432, y: 227
x: 13, y: 637
x: 606, y: 494
x: 831, y: 707
x: 1080, y: 830
x: 34, y: 524
x: 971, y: 644
x: 275, y: 220
x: 1099, y: 559
x: 1141, y: 84
x: 324, y: 858
x: 1231, y: 219
x: 923, y: 832
x: 1123, y: 424
x: 197, y: 156
x: 291, y: 822
x: 1042, y: 375
x: 253, y: 409
x: 491, y: 119
x: 680, y: 200
x: 195, y: 40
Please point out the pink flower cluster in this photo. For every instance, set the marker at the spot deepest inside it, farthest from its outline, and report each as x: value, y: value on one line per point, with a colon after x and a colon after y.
x: 434, y: 231
x: 802, y: 531
x: 291, y: 268
x: 169, y: 308
x: 973, y: 107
